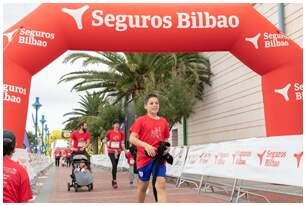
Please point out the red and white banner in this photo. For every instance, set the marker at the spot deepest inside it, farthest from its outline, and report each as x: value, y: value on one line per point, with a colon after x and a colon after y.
x: 274, y: 160
x: 179, y: 157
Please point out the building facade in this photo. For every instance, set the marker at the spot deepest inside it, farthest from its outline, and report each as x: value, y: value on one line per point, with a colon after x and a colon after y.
x: 233, y: 106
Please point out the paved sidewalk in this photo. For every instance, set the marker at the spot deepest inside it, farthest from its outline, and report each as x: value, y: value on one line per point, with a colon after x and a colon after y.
x: 52, y: 187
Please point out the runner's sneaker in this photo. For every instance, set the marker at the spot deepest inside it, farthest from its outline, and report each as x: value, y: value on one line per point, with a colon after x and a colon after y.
x: 114, y: 184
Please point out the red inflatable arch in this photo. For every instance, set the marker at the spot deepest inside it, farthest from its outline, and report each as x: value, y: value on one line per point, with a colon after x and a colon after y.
x: 51, y: 29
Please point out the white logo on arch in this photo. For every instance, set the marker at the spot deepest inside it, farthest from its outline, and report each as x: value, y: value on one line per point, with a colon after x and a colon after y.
x: 77, y: 15
x: 10, y: 35
x: 254, y: 40
x: 270, y: 40
x: 284, y: 92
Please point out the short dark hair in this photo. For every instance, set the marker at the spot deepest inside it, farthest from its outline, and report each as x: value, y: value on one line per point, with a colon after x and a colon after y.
x: 82, y: 124
x: 148, y: 97
x: 116, y: 121
x: 9, y: 142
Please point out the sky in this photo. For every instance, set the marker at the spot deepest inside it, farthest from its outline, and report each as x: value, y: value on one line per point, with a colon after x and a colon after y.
x: 56, y: 99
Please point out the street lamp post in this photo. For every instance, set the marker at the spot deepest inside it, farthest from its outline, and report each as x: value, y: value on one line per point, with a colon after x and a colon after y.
x: 43, y: 120
x: 36, y: 106
x: 46, y: 139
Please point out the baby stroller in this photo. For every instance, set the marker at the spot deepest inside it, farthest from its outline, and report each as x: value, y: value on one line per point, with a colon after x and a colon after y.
x: 80, y: 177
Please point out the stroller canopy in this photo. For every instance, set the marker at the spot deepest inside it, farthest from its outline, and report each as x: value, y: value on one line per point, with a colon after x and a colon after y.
x: 80, y: 157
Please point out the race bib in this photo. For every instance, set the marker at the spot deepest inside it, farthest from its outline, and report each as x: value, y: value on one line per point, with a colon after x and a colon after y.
x: 115, y: 145
x: 81, y: 144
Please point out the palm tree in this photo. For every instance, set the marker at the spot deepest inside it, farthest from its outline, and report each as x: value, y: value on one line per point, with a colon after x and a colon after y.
x: 88, y: 112
x: 129, y: 73
x: 122, y: 81
x: 178, y: 78
x: 193, y: 67
x: 89, y: 105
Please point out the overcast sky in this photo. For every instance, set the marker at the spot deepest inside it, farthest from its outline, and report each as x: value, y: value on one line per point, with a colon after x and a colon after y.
x: 56, y: 99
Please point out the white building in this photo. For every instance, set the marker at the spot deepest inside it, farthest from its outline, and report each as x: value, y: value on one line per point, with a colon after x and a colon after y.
x: 233, y: 106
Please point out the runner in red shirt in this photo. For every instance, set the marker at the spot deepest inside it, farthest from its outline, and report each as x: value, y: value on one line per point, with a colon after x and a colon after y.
x: 80, y: 140
x: 68, y: 152
x: 16, y: 182
x: 115, y: 144
x: 147, y: 133
x: 57, y: 155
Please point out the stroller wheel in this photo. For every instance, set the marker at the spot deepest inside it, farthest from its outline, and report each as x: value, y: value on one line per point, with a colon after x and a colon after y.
x: 75, y: 187
x: 90, y: 187
x: 68, y: 186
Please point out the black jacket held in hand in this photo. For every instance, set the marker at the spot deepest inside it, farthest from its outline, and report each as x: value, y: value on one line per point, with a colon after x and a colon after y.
x: 160, y: 157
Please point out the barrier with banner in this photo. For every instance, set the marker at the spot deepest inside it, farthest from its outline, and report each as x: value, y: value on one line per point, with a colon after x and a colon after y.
x: 33, y: 164
x: 123, y: 163
x: 101, y: 160
x: 179, y: 157
x: 104, y: 161
x: 273, y: 160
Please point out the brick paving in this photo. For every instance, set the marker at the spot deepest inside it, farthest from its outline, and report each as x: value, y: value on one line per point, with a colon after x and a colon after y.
x: 54, y: 190
x: 51, y: 187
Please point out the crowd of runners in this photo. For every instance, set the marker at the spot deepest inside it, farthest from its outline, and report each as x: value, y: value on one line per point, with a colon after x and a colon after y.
x: 147, y: 134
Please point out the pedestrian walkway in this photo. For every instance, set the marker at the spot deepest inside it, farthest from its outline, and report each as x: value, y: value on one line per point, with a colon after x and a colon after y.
x: 51, y: 187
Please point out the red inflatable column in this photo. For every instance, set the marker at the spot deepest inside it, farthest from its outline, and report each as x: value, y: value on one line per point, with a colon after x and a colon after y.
x: 16, y: 88
x: 283, y: 100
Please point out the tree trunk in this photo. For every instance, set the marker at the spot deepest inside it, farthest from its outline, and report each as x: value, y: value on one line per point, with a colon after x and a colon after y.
x: 95, y: 145
x: 130, y: 115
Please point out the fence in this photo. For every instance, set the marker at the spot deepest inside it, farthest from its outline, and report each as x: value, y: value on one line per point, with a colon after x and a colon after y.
x: 233, y: 166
